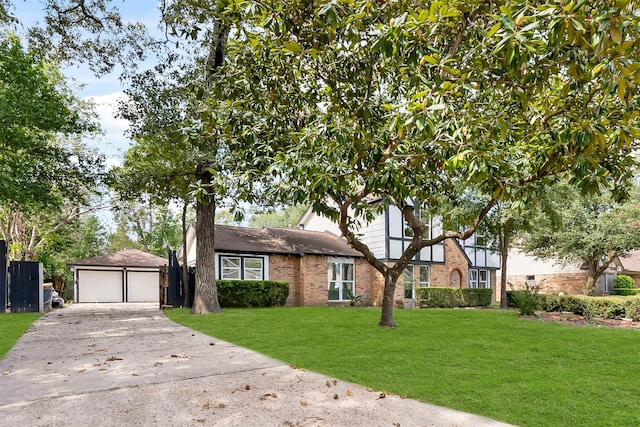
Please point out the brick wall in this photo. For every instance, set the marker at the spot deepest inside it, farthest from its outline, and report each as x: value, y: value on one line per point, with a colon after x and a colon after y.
x: 569, y: 283
x: 308, y: 277
x: 287, y: 268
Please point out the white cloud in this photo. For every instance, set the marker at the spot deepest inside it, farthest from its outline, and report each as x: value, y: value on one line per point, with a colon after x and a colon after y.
x: 106, y: 107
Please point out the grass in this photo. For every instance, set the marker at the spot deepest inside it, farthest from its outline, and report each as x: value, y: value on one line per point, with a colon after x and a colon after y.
x: 487, y: 362
x: 12, y: 327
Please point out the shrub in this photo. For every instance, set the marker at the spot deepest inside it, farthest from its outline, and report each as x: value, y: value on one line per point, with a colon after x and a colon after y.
x: 605, y: 307
x: 623, y: 285
x: 632, y: 308
x: 252, y: 293
x: 432, y: 297
x: 526, y: 300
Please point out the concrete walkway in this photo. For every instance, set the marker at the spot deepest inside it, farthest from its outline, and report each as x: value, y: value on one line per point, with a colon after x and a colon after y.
x: 128, y: 365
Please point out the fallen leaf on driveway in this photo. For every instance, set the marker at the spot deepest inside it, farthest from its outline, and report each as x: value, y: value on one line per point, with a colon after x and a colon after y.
x: 382, y: 396
x: 349, y: 393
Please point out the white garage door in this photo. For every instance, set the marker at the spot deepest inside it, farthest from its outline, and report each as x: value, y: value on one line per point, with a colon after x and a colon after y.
x: 143, y: 286
x: 99, y: 286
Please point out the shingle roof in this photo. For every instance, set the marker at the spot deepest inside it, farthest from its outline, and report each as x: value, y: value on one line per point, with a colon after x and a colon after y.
x: 255, y: 240
x: 274, y: 240
x: 315, y: 242
x: 631, y: 261
x: 123, y: 258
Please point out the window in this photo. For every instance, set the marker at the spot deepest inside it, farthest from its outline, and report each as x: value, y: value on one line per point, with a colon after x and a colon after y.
x: 479, y: 279
x: 241, y: 268
x: 341, y: 280
x: 425, y: 275
x: 423, y: 216
x: 231, y: 268
x: 408, y: 282
x: 607, y: 282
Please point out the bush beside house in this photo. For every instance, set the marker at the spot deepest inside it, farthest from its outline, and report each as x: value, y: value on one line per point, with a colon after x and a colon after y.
x: 434, y: 297
x: 252, y: 293
x: 624, y: 285
x: 587, y: 306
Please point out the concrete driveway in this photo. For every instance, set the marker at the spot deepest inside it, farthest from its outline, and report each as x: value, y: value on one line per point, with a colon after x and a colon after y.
x: 127, y: 364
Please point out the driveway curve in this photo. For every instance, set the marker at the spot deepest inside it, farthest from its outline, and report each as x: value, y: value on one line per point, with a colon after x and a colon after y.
x: 128, y: 365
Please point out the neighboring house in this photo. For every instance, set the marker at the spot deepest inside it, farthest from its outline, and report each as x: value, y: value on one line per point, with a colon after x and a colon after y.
x: 525, y: 270
x: 319, y: 267
x: 129, y: 275
x: 451, y: 263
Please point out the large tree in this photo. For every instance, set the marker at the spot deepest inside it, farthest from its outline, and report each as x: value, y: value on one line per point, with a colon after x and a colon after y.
x: 47, y: 177
x: 407, y: 101
x: 95, y: 32
x: 570, y: 228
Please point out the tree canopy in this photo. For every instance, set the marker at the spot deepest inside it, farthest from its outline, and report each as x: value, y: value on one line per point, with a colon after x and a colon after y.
x: 407, y: 100
x: 41, y: 161
x: 571, y: 228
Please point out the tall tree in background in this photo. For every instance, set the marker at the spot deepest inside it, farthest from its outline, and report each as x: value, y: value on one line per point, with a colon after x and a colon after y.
x: 47, y: 177
x: 407, y: 100
x: 96, y: 33
x: 149, y: 227
x: 578, y: 229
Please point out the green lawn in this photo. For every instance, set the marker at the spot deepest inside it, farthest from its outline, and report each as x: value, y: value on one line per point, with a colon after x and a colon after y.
x: 488, y: 362
x: 12, y: 326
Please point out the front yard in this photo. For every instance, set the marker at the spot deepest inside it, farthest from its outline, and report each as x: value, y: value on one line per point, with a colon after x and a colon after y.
x: 12, y: 327
x: 489, y: 362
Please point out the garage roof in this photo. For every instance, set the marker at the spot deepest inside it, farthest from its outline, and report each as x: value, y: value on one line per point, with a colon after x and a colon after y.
x: 123, y: 258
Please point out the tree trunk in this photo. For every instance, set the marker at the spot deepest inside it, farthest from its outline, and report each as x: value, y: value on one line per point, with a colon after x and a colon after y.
x: 206, y: 294
x: 185, y: 267
x: 505, y: 238
x: 386, y: 318
x: 592, y: 277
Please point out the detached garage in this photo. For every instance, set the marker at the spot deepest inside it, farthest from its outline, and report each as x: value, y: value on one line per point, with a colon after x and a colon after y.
x: 129, y: 275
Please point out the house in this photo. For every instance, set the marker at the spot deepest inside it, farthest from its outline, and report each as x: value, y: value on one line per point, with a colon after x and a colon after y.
x: 320, y: 267
x: 552, y: 277
x: 129, y: 275
x: 452, y: 263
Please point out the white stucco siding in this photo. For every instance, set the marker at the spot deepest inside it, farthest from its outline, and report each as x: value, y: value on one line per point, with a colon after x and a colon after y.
x: 374, y: 235
x: 520, y: 264
x: 315, y: 222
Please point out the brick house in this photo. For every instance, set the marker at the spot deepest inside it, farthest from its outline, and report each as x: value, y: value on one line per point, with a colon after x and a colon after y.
x: 553, y: 277
x: 452, y: 263
x: 320, y: 267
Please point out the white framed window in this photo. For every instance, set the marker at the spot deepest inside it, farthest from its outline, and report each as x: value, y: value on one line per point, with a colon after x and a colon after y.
x: 341, y: 279
x: 408, y: 282
x: 425, y: 276
x: 241, y: 268
x: 230, y: 268
x: 479, y: 278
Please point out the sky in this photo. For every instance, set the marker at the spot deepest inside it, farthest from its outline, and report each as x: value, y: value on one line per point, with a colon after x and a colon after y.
x: 105, y: 91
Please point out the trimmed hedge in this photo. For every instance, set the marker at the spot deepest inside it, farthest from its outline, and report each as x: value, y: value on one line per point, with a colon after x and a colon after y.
x: 432, y: 297
x: 587, y: 306
x: 252, y: 293
x: 624, y: 285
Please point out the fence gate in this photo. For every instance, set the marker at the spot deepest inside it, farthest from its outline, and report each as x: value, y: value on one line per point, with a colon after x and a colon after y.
x: 25, y: 286
x: 3, y: 276
x: 171, y: 289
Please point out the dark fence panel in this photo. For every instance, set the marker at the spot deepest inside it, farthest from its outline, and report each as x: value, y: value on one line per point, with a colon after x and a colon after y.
x: 25, y: 286
x: 176, y: 291
x: 3, y: 276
